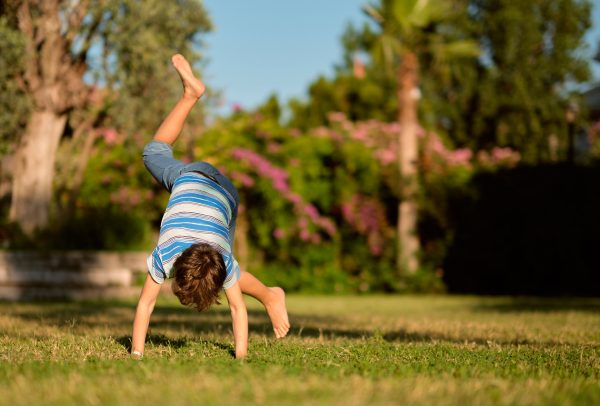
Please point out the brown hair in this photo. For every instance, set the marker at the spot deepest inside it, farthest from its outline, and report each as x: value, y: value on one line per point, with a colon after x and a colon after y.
x: 199, y: 274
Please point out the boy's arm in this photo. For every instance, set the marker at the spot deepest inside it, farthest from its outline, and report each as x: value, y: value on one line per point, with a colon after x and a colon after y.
x: 239, y: 316
x: 142, y: 314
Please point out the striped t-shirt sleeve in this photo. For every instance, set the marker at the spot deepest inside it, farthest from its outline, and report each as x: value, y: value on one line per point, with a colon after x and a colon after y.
x: 155, y: 267
x: 233, y: 271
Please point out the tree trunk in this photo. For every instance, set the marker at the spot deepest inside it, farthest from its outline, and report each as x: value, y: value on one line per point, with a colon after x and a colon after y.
x: 408, y: 241
x: 34, y: 170
x: 53, y: 77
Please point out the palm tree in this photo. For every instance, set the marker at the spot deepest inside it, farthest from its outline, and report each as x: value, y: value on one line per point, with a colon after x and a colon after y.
x: 406, y: 30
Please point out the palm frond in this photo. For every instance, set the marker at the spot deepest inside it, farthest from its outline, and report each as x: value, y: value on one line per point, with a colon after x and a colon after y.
x: 374, y: 13
x: 460, y: 49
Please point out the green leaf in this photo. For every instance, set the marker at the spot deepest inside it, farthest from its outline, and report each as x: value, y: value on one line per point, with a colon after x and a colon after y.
x: 461, y: 49
x: 403, y: 12
x: 438, y: 10
x: 420, y: 15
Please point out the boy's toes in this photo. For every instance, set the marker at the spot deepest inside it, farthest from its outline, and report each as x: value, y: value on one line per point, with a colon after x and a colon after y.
x: 176, y: 59
x: 281, y: 332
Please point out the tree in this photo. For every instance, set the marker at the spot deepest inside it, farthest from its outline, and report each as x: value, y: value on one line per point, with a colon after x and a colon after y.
x: 515, y: 94
x: 530, y: 63
x: 407, y: 28
x: 72, y: 48
x: 11, y: 97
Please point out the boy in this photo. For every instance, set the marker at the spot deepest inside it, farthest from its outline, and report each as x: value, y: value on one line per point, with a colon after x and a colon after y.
x: 196, y: 234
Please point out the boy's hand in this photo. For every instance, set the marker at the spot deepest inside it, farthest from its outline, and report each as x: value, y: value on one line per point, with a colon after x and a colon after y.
x: 136, y: 355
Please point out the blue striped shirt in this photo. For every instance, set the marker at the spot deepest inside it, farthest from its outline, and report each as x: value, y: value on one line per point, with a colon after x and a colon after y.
x: 199, y: 211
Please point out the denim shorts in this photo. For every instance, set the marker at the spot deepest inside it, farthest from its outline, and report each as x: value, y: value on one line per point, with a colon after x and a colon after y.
x: 158, y: 159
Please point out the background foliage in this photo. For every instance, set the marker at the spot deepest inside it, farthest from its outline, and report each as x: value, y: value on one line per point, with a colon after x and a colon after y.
x: 317, y: 177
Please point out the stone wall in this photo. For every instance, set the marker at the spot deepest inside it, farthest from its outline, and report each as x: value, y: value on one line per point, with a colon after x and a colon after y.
x: 69, y: 274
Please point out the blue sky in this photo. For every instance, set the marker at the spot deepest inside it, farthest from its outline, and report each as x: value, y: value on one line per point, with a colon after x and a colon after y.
x: 261, y: 47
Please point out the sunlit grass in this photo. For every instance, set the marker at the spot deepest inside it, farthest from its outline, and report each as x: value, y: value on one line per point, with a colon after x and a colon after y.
x: 341, y: 350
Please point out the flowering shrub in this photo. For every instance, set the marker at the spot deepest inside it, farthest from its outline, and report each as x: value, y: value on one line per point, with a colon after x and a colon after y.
x: 367, y: 216
x: 313, y: 202
x: 444, y: 173
x: 117, y: 204
x: 305, y: 212
x: 318, y: 209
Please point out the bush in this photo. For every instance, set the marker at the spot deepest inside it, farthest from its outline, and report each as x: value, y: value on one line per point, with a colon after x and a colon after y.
x: 525, y: 230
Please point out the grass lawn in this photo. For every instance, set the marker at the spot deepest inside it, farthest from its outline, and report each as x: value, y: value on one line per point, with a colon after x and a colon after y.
x: 342, y: 350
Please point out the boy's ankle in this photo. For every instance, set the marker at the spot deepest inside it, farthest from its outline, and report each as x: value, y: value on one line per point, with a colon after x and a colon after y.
x: 189, y: 97
x: 271, y: 297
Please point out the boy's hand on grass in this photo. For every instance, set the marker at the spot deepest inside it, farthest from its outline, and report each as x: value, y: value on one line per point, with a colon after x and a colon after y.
x: 239, y: 316
x: 136, y: 355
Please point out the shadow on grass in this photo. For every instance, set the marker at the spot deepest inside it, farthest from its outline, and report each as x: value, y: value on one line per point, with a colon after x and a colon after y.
x: 179, y: 321
x: 154, y: 339
x: 174, y: 343
x: 545, y: 305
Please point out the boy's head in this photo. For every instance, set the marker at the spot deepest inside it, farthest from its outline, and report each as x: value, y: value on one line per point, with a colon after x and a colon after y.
x: 199, y: 274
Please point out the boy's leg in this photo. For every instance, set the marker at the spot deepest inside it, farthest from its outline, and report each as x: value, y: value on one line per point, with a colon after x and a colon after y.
x: 193, y: 89
x: 272, y: 298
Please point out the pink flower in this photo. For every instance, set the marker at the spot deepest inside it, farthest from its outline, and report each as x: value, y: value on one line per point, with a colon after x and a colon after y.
x: 321, y: 132
x: 336, y: 117
x: 328, y: 225
x: 393, y: 128
x: 375, y: 250
x: 110, y: 135
x: 295, y: 198
x: 336, y: 136
x: 360, y: 134
x: 501, y: 153
x: 311, y: 211
x: 278, y: 233
x: 315, y: 238
x: 273, y: 148
x: 280, y: 185
x: 460, y: 156
x: 386, y: 156
x: 347, y: 212
x: 126, y: 197
x: 304, y: 235
x: 294, y: 132
x: 278, y: 177
x: 243, y: 178
x: 437, y: 146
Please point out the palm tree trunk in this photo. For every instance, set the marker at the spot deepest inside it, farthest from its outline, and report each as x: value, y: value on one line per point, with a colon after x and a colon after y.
x: 408, y: 241
x: 34, y: 170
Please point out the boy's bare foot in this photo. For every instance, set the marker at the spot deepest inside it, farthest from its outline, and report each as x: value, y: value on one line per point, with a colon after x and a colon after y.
x: 278, y: 313
x: 192, y: 86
